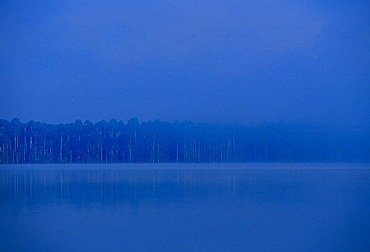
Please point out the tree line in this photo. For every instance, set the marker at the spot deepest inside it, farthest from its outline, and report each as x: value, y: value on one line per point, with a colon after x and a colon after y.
x: 177, y: 142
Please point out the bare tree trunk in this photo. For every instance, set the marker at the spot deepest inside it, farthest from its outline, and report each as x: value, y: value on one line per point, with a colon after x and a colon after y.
x: 25, y: 146
x: 61, y: 149
x: 177, y: 151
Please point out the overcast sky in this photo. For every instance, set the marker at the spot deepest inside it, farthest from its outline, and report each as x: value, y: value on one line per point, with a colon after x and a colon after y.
x: 200, y: 60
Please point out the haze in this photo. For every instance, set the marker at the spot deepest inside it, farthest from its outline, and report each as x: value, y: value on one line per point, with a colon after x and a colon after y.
x: 206, y: 61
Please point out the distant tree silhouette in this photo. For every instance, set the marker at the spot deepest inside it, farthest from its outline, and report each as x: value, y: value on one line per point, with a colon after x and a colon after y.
x: 177, y: 142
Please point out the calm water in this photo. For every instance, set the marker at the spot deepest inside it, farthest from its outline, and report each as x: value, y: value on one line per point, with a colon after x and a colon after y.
x: 172, y: 207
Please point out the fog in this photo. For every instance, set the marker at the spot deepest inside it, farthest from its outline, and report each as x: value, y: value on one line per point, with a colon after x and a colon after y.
x: 206, y: 61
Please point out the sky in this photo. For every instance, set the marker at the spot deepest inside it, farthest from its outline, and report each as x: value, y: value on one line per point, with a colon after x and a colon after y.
x: 243, y: 61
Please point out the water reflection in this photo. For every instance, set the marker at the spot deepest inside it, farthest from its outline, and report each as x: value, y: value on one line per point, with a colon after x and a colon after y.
x: 184, y: 210
x: 112, y: 187
x: 86, y: 187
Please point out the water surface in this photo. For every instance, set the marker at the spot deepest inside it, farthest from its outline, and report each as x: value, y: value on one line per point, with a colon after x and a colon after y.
x: 185, y: 207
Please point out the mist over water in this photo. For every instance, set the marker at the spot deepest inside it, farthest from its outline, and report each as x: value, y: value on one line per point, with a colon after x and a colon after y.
x: 216, y: 90
x: 182, y: 207
x: 245, y: 61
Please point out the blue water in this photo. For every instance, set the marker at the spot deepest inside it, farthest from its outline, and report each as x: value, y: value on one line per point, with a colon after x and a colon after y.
x: 188, y: 207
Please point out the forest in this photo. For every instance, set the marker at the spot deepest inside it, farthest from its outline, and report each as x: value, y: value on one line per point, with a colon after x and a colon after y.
x: 177, y: 142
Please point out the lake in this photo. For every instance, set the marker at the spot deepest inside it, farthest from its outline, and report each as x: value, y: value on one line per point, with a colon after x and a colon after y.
x: 185, y: 207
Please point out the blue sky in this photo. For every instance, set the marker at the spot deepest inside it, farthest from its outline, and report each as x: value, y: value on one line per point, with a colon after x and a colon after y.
x: 206, y: 61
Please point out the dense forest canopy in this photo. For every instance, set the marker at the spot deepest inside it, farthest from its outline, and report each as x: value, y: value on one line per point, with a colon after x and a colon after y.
x: 158, y: 141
